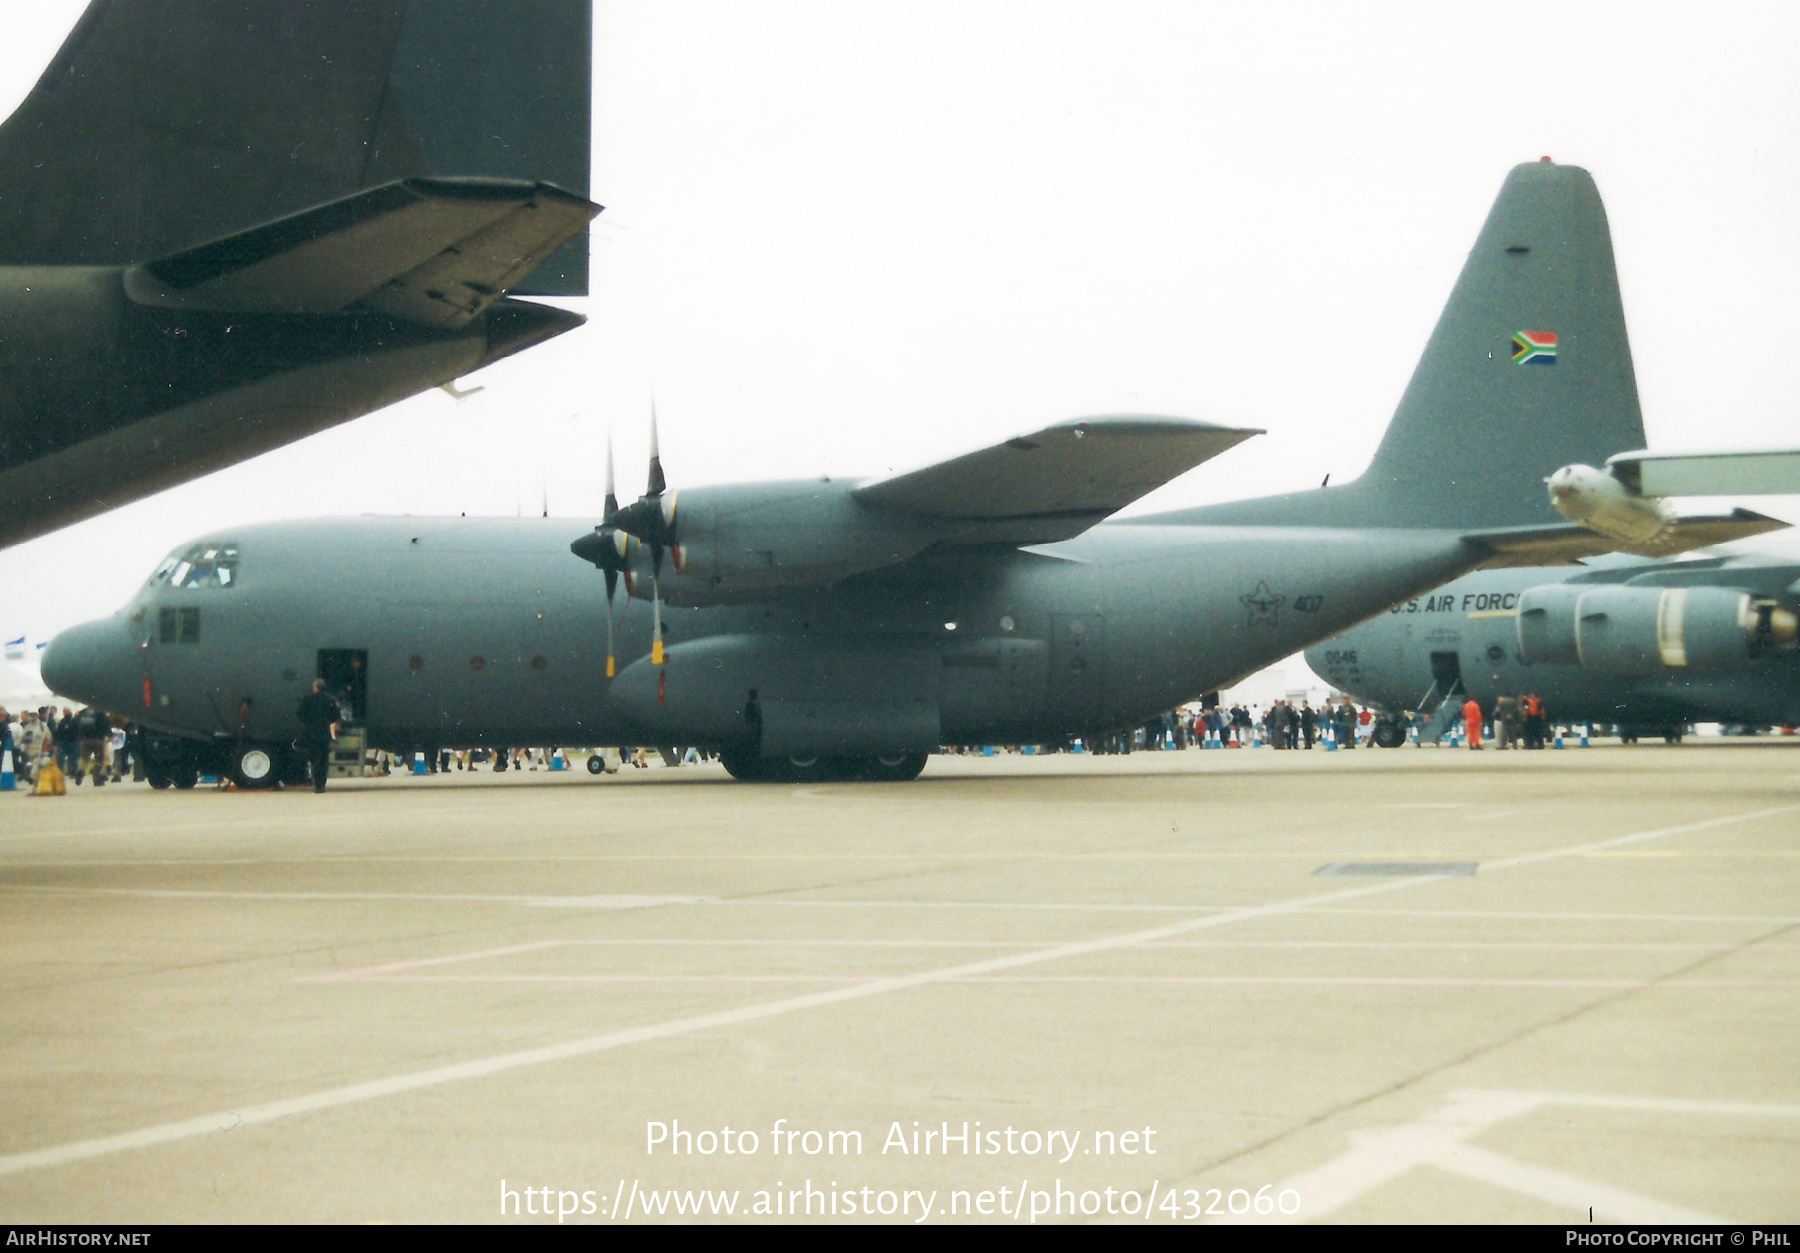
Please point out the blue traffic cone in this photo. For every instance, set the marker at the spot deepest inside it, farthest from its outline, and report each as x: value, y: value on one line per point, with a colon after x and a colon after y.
x: 9, y: 780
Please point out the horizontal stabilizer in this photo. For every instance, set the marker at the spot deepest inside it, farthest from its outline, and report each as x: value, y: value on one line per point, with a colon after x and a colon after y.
x: 1568, y: 543
x: 1708, y: 474
x: 430, y: 251
x: 1054, y: 483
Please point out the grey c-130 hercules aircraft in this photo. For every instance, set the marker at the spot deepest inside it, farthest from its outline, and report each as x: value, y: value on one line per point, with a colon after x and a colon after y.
x: 833, y: 628
x: 228, y: 224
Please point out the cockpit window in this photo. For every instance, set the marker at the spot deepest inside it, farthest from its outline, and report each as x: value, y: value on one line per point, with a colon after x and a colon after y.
x: 203, y: 565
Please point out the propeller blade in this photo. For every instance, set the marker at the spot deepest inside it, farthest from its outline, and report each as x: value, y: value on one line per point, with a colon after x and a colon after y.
x: 612, y: 581
x: 612, y: 496
x: 657, y: 482
x: 656, y: 643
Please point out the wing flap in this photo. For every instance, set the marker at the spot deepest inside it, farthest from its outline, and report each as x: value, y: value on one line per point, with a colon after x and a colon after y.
x: 1567, y: 543
x: 431, y: 251
x: 1057, y: 482
x: 1774, y: 473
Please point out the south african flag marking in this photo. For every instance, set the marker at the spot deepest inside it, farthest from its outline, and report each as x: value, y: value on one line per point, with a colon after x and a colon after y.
x: 1534, y: 347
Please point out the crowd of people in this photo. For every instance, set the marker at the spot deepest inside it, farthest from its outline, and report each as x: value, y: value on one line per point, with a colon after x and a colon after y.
x: 1516, y: 721
x: 70, y: 747
x: 1281, y: 725
x: 49, y: 748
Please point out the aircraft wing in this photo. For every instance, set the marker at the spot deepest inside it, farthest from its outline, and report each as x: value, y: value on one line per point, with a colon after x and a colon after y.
x: 1567, y: 543
x: 431, y: 251
x: 1708, y: 473
x: 1057, y: 482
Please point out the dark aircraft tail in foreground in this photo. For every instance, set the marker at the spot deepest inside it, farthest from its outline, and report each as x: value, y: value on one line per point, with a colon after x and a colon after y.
x: 228, y: 224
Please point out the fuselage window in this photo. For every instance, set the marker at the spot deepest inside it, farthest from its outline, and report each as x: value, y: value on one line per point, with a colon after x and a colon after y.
x: 178, y: 626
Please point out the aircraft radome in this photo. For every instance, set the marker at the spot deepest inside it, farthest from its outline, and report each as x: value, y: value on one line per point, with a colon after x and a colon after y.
x: 825, y: 628
x: 221, y: 231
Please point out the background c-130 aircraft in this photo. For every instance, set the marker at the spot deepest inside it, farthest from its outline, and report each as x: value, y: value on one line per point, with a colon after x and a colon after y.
x: 229, y: 224
x: 841, y: 628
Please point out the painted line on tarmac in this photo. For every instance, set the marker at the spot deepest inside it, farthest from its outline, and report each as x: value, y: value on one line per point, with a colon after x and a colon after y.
x: 1540, y: 916
x: 1440, y: 1139
x: 923, y: 855
x: 610, y: 901
x: 478, y: 1068
x: 638, y: 902
x: 382, y: 973
x: 1110, y: 980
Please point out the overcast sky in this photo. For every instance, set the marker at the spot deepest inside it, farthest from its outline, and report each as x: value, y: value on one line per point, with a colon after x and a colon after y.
x: 844, y: 237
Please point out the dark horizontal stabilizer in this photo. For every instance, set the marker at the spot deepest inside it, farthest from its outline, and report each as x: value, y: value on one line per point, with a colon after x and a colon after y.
x: 165, y: 123
x: 1568, y: 543
x: 435, y: 252
x: 1057, y: 482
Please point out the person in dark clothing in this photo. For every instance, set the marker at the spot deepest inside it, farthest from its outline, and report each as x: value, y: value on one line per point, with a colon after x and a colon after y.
x: 93, y: 735
x: 1309, y: 722
x: 68, y: 743
x: 319, y: 718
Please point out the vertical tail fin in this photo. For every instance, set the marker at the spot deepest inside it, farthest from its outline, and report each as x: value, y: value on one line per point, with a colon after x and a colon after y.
x: 1528, y: 370
x: 161, y: 126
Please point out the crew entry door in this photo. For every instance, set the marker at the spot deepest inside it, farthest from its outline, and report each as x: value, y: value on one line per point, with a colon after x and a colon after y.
x: 1446, y: 674
x: 346, y: 675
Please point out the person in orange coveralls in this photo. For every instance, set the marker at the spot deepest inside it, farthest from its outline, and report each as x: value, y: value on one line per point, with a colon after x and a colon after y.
x: 1472, y: 716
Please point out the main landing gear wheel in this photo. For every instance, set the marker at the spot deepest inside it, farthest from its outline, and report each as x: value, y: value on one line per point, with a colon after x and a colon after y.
x: 803, y: 768
x: 158, y: 779
x: 185, y: 775
x: 892, y: 768
x: 744, y: 765
x: 254, y: 768
x: 1388, y: 735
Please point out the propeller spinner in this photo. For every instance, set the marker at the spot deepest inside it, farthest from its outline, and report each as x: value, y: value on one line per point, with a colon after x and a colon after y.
x: 608, y: 548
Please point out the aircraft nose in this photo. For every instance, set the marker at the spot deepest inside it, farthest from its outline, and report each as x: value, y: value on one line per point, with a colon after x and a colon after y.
x: 92, y: 663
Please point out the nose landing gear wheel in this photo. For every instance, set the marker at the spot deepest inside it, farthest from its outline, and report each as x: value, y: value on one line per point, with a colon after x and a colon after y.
x: 254, y: 768
x: 595, y: 764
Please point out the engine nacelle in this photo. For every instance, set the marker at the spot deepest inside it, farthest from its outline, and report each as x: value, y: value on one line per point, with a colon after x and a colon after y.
x: 1640, y: 630
x: 1595, y: 499
x: 742, y: 542
x: 1547, y: 624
